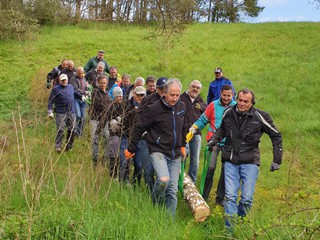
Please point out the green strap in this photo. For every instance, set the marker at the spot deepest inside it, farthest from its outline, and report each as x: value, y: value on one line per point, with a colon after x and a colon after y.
x: 181, y: 177
x: 207, y: 159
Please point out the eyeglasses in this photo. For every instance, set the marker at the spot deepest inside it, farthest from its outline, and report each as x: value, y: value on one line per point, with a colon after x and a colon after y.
x: 196, y: 87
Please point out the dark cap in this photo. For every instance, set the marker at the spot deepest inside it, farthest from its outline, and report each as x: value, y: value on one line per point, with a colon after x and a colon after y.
x: 101, y: 51
x: 218, y: 70
x: 161, y: 81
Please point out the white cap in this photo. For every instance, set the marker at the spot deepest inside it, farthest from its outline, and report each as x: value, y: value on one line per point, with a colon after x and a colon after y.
x: 139, y: 90
x: 63, y: 77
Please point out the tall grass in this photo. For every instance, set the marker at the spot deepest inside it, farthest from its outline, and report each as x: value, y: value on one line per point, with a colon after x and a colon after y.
x: 45, y: 195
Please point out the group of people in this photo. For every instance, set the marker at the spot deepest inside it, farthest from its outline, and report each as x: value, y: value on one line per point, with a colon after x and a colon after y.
x: 158, y: 126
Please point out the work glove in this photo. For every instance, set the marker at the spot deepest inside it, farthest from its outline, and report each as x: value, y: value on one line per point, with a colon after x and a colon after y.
x: 128, y: 154
x: 119, y: 119
x: 274, y: 166
x: 191, y: 133
x: 49, y: 84
x: 183, y: 153
x: 50, y: 114
x: 114, y: 125
x: 211, y: 145
x: 84, y: 98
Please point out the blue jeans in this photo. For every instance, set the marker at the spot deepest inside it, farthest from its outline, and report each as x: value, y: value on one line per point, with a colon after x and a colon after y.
x: 65, y: 120
x: 80, y: 108
x: 142, y: 153
x: 236, y: 176
x: 166, y: 185
x: 124, y: 164
x: 193, y: 149
x: 95, y: 138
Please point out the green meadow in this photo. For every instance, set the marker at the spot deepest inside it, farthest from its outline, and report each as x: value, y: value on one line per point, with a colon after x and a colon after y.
x: 44, y: 195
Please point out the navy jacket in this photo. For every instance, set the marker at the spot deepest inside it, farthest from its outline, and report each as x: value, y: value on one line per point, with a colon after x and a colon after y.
x: 215, y: 89
x: 62, y: 98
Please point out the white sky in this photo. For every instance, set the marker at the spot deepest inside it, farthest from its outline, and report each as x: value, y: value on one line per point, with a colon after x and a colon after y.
x: 287, y: 11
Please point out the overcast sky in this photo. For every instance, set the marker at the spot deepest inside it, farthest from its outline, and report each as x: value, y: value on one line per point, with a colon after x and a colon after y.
x: 287, y: 11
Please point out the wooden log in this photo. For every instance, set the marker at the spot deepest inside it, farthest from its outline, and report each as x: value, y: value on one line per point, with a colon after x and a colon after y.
x: 199, y: 207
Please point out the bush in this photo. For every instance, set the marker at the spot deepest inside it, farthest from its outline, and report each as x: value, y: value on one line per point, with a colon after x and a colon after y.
x: 15, y: 25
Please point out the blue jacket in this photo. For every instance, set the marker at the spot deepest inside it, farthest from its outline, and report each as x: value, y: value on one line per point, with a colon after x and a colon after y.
x: 63, y: 99
x: 215, y: 89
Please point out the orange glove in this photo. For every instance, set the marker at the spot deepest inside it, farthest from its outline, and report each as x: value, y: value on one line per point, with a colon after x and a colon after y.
x: 183, y: 153
x: 128, y: 154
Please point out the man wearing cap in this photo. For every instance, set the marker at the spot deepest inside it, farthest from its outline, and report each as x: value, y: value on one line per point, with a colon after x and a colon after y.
x: 92, y: 63
x: 164, y: 122
x: 139, y: 81
x: 216, y: 85
x: 129, y: 123
x: 142, y: 149
x: 195, y: 106
x: 62, y: 97
x: 98, y: 111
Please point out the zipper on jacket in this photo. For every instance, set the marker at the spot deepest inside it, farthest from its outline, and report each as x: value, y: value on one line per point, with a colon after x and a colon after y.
x: 174, y: 134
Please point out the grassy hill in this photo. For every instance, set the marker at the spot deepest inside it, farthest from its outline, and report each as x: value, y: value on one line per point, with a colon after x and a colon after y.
x: 45, y: 195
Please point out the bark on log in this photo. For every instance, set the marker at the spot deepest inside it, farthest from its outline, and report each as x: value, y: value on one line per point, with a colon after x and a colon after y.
x: 199, y: 207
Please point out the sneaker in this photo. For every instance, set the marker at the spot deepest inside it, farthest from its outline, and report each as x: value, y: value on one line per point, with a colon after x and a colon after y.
x: 58, y: 149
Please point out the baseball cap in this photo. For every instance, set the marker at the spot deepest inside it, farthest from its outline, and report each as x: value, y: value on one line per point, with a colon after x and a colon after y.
x: 161, y: 81
x: 101, y: 51
x: 218, y: 70
x: 140, y: 90
x: 63, y: 77
x: 117, y: 92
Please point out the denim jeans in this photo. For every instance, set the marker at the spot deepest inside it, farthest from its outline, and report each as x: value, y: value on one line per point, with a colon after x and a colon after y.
x: 193, y: 149
x: 210, y: 175
x: 166, y: 185
x: 142, y: 153
x: 63, y: 120
x: 80, y: 108
x: 95, y: 138
x: 124, y: 164
x: 236, y: 176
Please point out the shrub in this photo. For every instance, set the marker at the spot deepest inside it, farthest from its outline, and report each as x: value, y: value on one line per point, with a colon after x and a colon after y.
x: 15, y: 25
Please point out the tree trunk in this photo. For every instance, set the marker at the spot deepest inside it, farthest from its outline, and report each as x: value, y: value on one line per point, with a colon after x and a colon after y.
x: 199, y: 207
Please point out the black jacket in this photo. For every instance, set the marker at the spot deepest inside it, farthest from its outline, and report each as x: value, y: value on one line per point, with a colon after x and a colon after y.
x: 165, y: 126
x: 100, y: 105
x: 242, y: 142
x: 193, y: 109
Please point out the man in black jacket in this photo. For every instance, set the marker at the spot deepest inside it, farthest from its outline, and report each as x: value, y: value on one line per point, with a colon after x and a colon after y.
x: 242, y: 126
x: 52, y: 77
x: 164, y: 121
x: 195, y: 107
